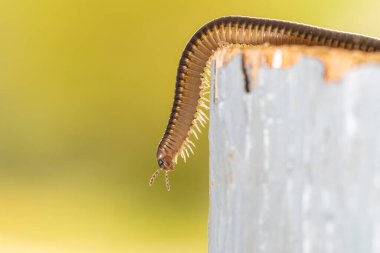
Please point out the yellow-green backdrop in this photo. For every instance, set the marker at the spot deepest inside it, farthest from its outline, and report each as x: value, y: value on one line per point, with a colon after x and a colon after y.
x: 85, y: 93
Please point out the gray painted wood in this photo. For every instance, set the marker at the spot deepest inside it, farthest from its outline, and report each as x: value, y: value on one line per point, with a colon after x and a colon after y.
x: 295, y: 163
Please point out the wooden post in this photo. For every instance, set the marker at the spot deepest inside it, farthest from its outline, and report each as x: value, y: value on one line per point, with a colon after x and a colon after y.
x: 294, y: 162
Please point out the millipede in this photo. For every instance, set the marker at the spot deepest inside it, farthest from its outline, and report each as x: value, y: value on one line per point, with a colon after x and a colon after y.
x: 193, y: 73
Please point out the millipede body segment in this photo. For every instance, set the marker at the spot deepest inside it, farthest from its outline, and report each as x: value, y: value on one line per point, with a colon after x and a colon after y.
x: 192, y: 75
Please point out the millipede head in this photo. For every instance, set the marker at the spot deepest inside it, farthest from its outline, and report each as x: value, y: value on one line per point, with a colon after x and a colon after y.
x: 166, y: 164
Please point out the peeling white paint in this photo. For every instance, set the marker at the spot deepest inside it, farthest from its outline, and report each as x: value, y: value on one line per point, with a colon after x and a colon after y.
x: 306, y: 166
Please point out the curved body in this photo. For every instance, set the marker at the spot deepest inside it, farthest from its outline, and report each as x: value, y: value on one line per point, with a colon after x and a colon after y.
x: 190, y: 84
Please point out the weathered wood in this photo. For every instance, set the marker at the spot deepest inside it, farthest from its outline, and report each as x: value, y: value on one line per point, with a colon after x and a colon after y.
x: 295, y: 162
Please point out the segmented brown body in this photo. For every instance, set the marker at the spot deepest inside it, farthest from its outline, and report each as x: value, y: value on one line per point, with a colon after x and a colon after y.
x: 186, y: 112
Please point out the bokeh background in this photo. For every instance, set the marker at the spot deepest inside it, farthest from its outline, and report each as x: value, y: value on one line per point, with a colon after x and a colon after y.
x: 85, y: 94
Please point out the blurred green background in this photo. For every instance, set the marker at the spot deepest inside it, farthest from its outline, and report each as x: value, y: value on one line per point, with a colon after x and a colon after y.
x: 85, y: 94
